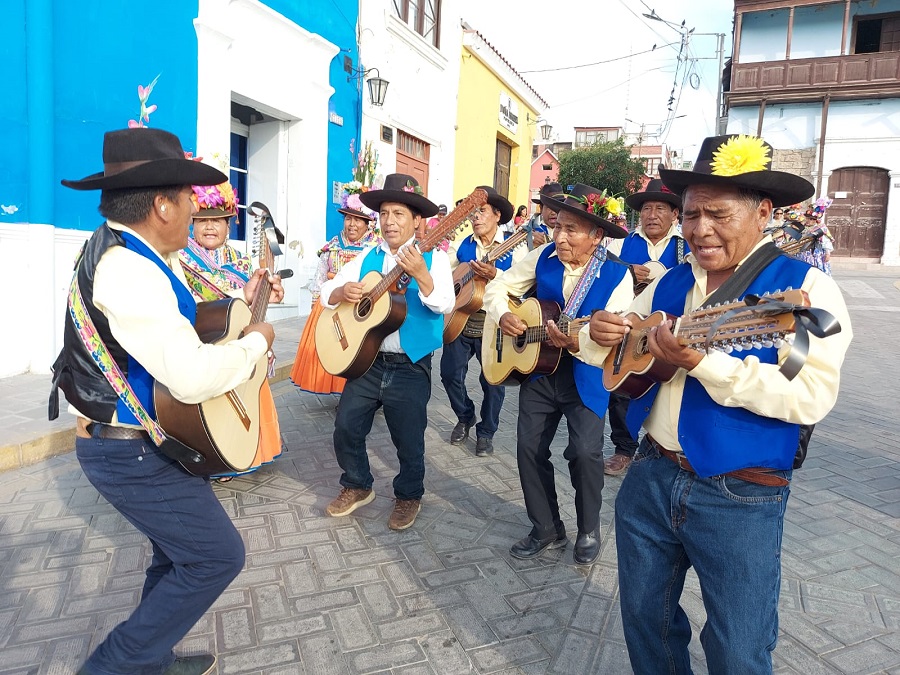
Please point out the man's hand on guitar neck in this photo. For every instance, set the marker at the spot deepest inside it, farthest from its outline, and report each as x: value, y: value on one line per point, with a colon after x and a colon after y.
x: 559, y: 339
x: 482, y: 269
x: 411, y: 261
x: 277, y: 293
x: 352, y: 291
x: 665, y: 346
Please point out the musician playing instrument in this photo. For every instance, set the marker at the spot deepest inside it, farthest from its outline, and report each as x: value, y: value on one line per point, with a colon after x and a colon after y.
x: 399, y: 380
x: 711, y: 479
x: 564, y: 268
x: 655, y: 239
x: 455, y: 359
x: 131, y: 288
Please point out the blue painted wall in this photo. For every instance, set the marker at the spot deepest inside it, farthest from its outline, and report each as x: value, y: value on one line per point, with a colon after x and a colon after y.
x: 336, y: 22
x: 98, y: 53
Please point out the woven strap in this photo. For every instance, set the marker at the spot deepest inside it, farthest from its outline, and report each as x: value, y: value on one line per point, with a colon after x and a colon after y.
x: 588, y: 276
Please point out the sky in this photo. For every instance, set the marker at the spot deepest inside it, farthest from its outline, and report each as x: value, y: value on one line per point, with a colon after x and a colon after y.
x: 633, y: 89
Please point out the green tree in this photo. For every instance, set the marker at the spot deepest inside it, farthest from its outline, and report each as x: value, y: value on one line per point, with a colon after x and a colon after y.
x: 605, y: 165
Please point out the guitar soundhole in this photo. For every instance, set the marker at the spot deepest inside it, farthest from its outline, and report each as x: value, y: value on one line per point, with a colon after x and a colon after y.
x: 364, y: 308
x: 520, y: 342
x: 641, y: 345
x: 456, y: 289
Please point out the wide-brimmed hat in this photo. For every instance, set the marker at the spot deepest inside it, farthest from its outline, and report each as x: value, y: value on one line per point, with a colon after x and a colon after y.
x: 590, y: 204
x: 215, y: 201
x: 142, y: 157
x: 742, y: 162
x: 654, y: 192
x: 549, y: 189
x: 499, y: 202
x: 403, y: 189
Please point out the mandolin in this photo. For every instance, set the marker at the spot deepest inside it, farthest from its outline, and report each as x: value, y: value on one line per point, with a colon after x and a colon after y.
x: 630, y: 369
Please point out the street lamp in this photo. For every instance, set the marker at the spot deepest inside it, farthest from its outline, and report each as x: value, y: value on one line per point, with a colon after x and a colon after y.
x: 377, y: 85
x: 720, y: 52
x: 546, y: 128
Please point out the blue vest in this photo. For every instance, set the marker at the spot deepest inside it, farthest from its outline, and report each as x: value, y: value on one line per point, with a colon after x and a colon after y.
x: 549, y: 273
x: 635, y: 251
x: 466, y: 252
x: 422, y: 330
x: 718, y: 439
x: 140, y: 380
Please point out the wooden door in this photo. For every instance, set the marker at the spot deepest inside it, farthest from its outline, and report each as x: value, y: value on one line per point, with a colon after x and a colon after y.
x: 857, y: 220
x: 412, y: 158
x: 503, y: 161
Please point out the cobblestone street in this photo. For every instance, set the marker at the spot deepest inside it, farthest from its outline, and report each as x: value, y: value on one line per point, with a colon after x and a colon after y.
x: 347, y: 595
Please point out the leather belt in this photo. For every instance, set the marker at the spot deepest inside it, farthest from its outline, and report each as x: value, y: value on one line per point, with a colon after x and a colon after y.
x: 757, y: 475
x: 116, y: 433
x: 393, y: 357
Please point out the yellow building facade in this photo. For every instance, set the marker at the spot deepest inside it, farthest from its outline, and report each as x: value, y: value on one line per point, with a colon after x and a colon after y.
x: 496, y: 123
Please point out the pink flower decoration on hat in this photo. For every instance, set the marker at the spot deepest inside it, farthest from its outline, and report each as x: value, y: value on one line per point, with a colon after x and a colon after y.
x: 354, y: 203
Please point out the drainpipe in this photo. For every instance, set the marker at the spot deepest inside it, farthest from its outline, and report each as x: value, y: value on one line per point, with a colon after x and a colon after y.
x: 762, y: 114
x: 822, y: 144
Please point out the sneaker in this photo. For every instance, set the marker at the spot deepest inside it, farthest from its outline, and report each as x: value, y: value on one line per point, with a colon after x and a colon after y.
x: 460, y: 433
x: 200, y: 664
x: 484, y: 446
x: 404, y: 513
x: 616, y: 465
x: 349, y: 500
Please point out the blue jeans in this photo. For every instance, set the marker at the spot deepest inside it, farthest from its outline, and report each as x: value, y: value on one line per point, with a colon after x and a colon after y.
x: 197, y: 551
x: 454, y: 367
x: 667, y: 520
x: 403, y: 389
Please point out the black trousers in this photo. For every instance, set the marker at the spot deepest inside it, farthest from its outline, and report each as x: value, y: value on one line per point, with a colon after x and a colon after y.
x: 542, y: 403
x: 618, y: 430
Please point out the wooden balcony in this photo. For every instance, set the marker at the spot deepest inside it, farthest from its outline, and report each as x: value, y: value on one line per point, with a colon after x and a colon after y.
x: 855, y: 76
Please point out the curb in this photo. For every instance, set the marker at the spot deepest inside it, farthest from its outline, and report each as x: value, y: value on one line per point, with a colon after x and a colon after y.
x: 62, y: 441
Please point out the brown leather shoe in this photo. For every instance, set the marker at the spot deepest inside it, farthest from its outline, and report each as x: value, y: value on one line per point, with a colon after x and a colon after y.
x: 404, y: 513
x: 349, y: 500
x: 616, y: 465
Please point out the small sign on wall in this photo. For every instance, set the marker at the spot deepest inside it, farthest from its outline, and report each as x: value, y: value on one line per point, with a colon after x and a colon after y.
x: 337, y: 189
x: 840, y: 195
x: 334, y: 118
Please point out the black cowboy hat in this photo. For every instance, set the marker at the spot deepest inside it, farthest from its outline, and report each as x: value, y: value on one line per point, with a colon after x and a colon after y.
x: 550, y: 190
x: 499, y: 202
x: 742, y: 162
x: 576, y: 202
x: 141, y: 157
x: 654, y: 192
x: 400, y: 188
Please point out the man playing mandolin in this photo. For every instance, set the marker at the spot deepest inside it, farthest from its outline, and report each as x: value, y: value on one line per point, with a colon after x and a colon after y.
x: 571, y: 271
x: 486, y: 235
x: 399, y: 379
x: 656, y: 239
x: 711, y: 479
x: 130, y: 307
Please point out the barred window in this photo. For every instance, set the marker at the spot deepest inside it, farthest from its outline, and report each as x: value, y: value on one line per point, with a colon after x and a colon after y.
x: 423, y: 16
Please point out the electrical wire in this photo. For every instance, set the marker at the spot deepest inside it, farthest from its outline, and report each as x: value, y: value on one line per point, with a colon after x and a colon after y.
x: 644, y: 23
x: 598, y: 63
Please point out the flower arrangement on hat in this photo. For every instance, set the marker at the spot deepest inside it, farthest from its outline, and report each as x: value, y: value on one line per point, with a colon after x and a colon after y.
x: 417, y: 189
x: 602, y: 205
x: 817, y: 209
x: 220, y: 197
x: 739, y: 155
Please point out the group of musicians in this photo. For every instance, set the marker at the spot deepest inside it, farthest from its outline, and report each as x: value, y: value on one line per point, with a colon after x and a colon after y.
x: 707, y: 488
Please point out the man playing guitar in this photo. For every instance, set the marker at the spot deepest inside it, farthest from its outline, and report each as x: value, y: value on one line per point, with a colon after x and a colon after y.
x: 656, y: 239
x: 456, y: 356
x: 399, y: 379
x: 569, y: 273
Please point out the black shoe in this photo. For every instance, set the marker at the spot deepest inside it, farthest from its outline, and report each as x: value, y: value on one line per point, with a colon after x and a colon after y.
x: 587, y: 547
x: 531, y: 546
x: 199, y: 664
x: 460, y: 433
x: 484, y: 446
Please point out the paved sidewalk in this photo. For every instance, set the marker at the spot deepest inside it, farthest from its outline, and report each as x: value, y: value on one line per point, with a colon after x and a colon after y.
x: 347, y: 595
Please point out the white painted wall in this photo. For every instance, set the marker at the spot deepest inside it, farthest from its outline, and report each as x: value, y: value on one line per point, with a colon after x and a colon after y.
x: 421, y: 97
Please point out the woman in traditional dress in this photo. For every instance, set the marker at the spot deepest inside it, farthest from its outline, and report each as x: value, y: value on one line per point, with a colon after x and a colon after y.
x: 358, y: 234
x: 213, y: 269
x: 818, y: 255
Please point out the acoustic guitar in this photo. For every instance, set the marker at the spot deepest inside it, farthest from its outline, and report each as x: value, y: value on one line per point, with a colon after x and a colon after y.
x: 225, y: 429
x: 348, y: 336
x: 630, y: 369
x: 509, y: 360
x: 469, y: 287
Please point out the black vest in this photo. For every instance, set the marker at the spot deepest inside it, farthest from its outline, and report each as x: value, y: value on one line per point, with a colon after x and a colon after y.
x: 75, y: 371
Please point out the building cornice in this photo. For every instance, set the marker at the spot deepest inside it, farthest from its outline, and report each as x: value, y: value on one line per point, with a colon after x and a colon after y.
x: 475, y: 43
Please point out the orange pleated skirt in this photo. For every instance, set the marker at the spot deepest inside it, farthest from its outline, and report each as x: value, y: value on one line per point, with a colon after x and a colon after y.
x: 307, y: 372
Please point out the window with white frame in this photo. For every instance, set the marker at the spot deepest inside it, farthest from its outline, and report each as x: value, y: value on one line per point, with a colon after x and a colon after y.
x: 422, y: 16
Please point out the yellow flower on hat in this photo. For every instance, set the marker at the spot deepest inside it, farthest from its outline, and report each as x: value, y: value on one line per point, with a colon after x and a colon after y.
x: 614, y: 206
x: 740, y: 154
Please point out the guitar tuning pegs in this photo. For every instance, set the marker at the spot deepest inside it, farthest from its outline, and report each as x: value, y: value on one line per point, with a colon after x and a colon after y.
x: 767, y: 343
x: 778, y: 343
x: 738, y: 347
x: 756, y: 344
x: 727, y: 348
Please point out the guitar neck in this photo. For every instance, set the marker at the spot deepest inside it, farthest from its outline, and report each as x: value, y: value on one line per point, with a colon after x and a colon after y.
x: 568, y: 328
x: 497, y: 253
